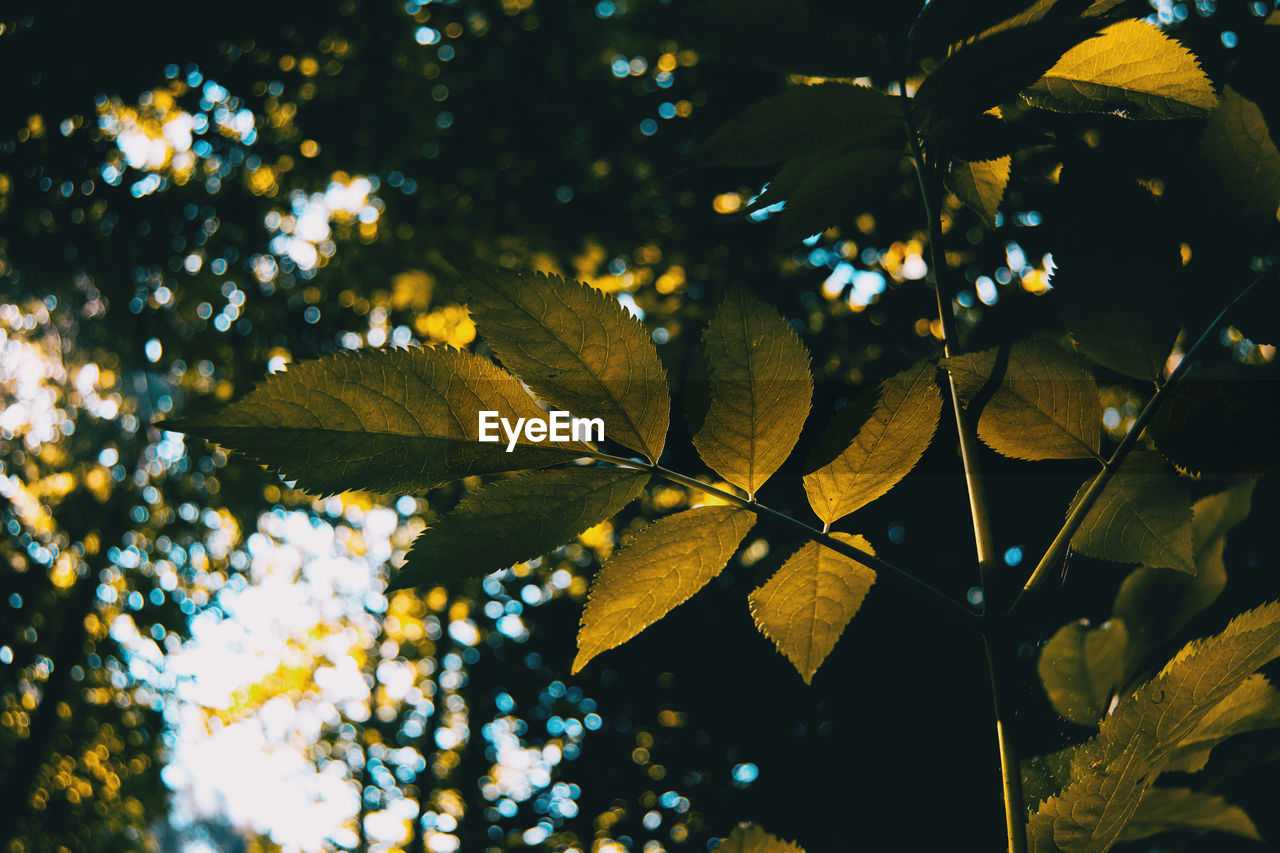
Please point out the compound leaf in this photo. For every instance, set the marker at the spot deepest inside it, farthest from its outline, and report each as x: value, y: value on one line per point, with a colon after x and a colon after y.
x: 1142, y: 516
x: 750, y: 838
x: 578, y: 348
x: 1045, y: 407
x: 516, y: 519
x: 392, y: 421
x: 806, y: 605
x: 805, y: 120
x: 1170, y: 809
x: 1112, y: 772
x: 664, y: 566
x: 981, y: 185
x: 1081, y: 667
x: 758, y: 395
x: 887, y: 446
x: 1242, y: 151
x: 1131, y: 69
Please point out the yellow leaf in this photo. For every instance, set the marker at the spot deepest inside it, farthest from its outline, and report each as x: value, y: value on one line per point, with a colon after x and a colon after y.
x: 806, y: 605
x: 887, y: 446
x: 1131, y: 69
x: 759, y: 392
x: 664, y: 566
x: 578, y: 348
x: 981, y: 185
x: 750, y: 838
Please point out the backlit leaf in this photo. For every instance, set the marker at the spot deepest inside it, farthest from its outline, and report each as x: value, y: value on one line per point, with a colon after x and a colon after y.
x: 1142, y: 516
x: 1112, y: 772
x: 832, y: 191
x: 981, y: 185
x: 516, y: 519
x: 1253, y: 705
x: 806, y: 605
x: 1131, y: 69
x: 885, y: 449
x: 1170, y: 809
x: 1156, y: 603
x: 1081, y: 667
x: 663, y: 566
x: 1243, y: 152
x: 805, y: 120
x: 759, y: 392
x: 578, y: 348
x: 1045, y: 407
x: 750, y: 838
x: 391, y: 421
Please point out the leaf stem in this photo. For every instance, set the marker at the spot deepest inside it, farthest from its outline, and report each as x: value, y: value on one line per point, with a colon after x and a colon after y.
x: 1054, y: 554
x: 983, y: 537
x: 900, y: 576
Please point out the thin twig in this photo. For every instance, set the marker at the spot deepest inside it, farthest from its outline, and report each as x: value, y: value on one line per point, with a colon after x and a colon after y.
x: 894, y: 573
x: 1053, y: 556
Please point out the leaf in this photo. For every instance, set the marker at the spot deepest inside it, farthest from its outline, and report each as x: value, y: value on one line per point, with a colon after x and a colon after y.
x: 944, y: 22
x: 1156, y: 603
x: 1172, y: 809
x: 807, y: 120
x: 750, y: 838
x: 392, y: 421
x: 516, y: 519
x: 887, y: 446
x: 1142, y: 516
x: 981, y: 185
x: 1081, y: 667
x: 1220, y: 420
x: 806, y: 605
x: 1132, y: 70
x: 1254, y: 705
x: 1112, y: 772
x: 664, y: 566
x: 759, y: 392
x: 578, y: 348
x: 833, y: 190
x: 1045, y: 407
x: 1242, y: 152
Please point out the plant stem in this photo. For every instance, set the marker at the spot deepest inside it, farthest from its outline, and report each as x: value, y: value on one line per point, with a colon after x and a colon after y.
x: 898, y: 575
x: 983, y: 538
x: 1053, y: 555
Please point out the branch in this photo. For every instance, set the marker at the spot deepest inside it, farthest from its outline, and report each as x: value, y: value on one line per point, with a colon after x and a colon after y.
x: 900, y: 576
x: 1053, y: 556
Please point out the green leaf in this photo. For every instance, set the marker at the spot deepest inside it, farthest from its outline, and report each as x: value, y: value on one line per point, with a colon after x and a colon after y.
x: 759, y: 392
x: 887, y: 445
x: 807, y: 120
x: 1142, y: 516
x: 750, y: 838
x: 516, y: 519
x: 1156, y: 603
x: 391, y: 421
x: 1242, y: 152
x: 1181, y: 809
x: 1133, y: 342
x: 1081, y: 667
x: 1112, y: 772
x: 1045, y: 407
x: 578, y: 348
x: 832, y: 191
x: 1254, y: 705
x: 806, y: 605
x: 946, y: 22
x: 662, y: 567
x: 1132, y: 70
x: 981, y: 185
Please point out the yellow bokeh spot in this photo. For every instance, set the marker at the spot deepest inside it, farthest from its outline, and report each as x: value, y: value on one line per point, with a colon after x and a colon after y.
x: 727, y: 203
x: 309, y: 148
x: 450, y: 325
x: 412, y: 290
